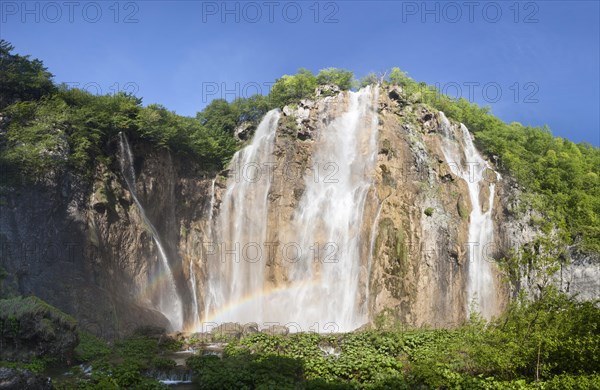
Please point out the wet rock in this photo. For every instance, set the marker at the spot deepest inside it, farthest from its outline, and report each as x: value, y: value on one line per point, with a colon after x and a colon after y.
x: 228, y: 329
x: 150, y: 331
x: 244, y: 131
x: 276, y: 330
x: 250, y: 328
x: 328, y: 90
x: 21, y: 379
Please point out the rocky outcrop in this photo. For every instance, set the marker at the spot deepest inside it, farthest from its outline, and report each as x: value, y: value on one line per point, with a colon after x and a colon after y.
x: 21, y: 379
x: 30, y: 328
x: 578, y: 274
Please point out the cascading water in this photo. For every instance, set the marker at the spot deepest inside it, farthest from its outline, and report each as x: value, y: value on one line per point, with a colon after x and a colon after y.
x: 323, y: 280
x: 193, y: 277
x: 472, y: 168
x: 168, y: 301
x: 242, y: 222
x: 330, y: 215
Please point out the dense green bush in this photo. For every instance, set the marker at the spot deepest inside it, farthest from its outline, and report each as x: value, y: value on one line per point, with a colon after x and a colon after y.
x: 340, y: 77
x: 124, y: 365
x: 549, y: 343
x: 291, y: 89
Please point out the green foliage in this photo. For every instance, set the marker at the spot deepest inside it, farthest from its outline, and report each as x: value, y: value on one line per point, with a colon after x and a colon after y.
x: 246, y: 371
x: 31, y: 329
x: 72, y: 129
x: 398, y: 77
x: 124, y: 365
x: 429, y: 211
x: 290, y: 89
x: 549, y: 343
x: 340, y: 77
x: 162, y: 363
x: 31, y: 307
x: 187, y: 136
x: 37, y: 365
x: 51, y: 129
x: 91, y: 348
x: 21, y: 79
x: 533, y: 341
x: 219, y: 114
x: 370, y: 79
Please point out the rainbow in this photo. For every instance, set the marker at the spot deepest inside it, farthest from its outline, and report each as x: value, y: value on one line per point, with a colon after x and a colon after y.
x: 254, y: 296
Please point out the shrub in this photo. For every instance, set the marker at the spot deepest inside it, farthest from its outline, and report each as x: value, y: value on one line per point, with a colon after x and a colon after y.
x: 340, y: 77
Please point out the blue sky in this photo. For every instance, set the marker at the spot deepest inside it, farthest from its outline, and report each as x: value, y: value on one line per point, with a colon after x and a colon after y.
x: 534, y: 62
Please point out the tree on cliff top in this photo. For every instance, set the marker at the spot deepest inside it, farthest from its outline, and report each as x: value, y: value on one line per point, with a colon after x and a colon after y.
x: 21, y: 78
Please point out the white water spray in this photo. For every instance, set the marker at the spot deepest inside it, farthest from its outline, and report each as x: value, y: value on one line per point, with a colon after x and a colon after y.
x: 242, y: 222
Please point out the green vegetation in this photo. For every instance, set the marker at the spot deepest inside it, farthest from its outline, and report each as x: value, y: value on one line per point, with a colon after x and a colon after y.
x: 429, y: 211
x: 291, y: 89
x: 340, y: 77
x: 220, y: 115
x: 53, y: 128
x: 21, y: 78
x: 551, y: 343
x: 561, y: 179
x: 124, y: 365
x: 73, y: 129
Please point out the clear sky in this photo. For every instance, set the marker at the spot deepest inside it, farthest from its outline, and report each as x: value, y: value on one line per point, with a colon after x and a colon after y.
x: 534, y: 62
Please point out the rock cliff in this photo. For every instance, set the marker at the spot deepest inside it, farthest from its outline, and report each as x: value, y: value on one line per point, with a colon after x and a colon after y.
x: 85, y: 248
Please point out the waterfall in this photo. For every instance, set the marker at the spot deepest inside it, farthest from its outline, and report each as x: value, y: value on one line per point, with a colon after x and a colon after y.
x: 472, y: 168
x: 211, y: 210
x: 326, y: 245
x: 195, y: 312
x: 208, y: 235
x: 243, y: 224
x: 169, y: 303
x: 330, y: 216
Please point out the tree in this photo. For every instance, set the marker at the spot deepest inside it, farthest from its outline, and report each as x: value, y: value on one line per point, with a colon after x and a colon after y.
x: 21, y: 79
x: 370, y: 79
x: 289, y: 89
x: 219, y: 114
x: 340, y: 77
x: 398, y: 77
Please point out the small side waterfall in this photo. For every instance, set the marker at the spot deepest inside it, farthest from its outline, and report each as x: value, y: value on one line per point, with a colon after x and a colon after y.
x: 166, y: 299
x: 192, y: 277
x: 475, y: 171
